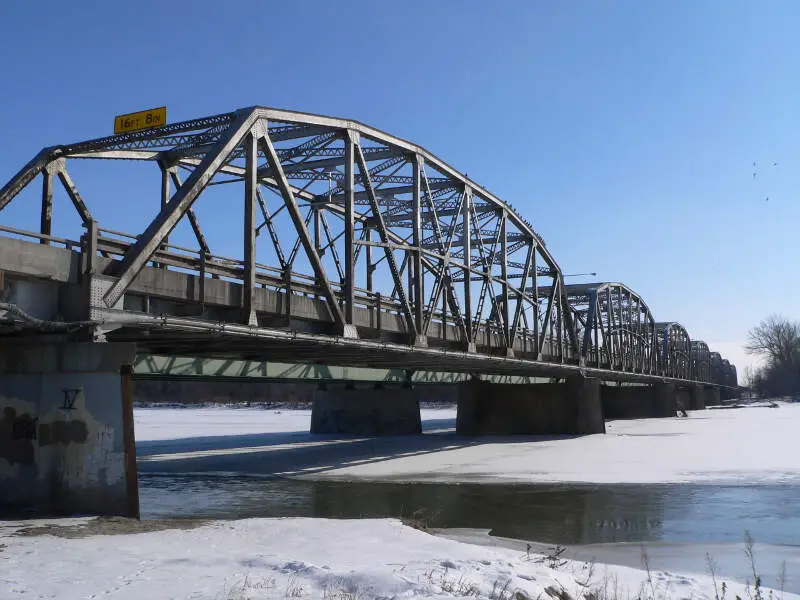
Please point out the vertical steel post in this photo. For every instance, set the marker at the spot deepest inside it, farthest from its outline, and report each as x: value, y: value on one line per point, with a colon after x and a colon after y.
x: 535, y: 276
x: 609, y: 324
x: 466, y: 237
x: 46, y: 222
x: 415, y: 270
x: 317, y: 230
x: 349, y: 228
x: 368, y: 256
x: 250, y: 202
x: 559, y: 326
x: 165, y: 194
x: 596, y: 326
x: 90, y: 251
x: 639, y: 336
x: 444, y: 313
x: 504, y: 275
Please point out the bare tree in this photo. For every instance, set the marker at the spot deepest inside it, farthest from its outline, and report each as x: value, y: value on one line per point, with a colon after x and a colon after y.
x: 777, y: 339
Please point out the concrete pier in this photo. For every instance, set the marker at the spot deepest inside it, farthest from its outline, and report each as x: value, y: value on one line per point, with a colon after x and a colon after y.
x: 66, y: 428
x: 697, y: 397
x: 369, y: 412
x: 530, y: 409
x: 712, y: 396
x: 638, y: 402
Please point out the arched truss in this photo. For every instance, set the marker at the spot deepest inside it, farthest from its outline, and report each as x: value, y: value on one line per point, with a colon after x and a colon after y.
x: 701, y: 366
x: 722, y: 371
x: 614, y: 327
x: 675, y: 353
x: 731, y: 378
x: 364, y: 222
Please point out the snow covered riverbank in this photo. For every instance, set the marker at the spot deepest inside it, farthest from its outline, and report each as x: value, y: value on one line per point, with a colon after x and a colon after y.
x: 752, y: 445
x: 380, y: 558
x: 300, y: 558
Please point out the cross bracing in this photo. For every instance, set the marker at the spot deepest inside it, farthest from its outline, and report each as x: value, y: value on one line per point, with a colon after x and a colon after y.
x: 357, y: 220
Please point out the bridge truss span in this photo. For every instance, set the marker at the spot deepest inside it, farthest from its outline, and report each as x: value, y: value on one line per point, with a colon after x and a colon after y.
x: 353, y: 246
x: 371, y: 226
x: 614, y: 327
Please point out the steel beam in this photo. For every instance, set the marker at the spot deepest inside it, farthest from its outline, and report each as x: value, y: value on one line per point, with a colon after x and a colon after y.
x: 417, y: 280
x: 466, y: 237
x: 504, y: 275
x: 523, y: 286
x: 190, y: 214
x: 305, y: 239
x: 349, y: 229
x: 249, y: 233
x: 25, y: 175
x: 72, y: 192
x: 383, y: 233
x: 159, y: 228
x: 46, y: 216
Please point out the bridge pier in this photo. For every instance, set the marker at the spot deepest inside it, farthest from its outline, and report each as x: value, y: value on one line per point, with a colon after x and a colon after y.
x: 530, y: 409
x: 697, y: 397
x: 639, y: 401
x: 66, y: 428
x: 369, y: 412
x: 712, y: 396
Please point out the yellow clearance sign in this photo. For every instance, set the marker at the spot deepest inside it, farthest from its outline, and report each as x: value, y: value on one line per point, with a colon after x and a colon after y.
x: 144, y: 119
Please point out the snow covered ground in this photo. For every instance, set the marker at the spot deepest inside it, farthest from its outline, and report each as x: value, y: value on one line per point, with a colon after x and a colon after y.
x: 752, y: 445
x: 300, y: 558
x: 380, y: 558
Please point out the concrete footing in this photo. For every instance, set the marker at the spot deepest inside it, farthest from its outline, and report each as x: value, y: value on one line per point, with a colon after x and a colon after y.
x: 532, y: 409
x: 391, y: 411
x: 638, y: 402
x: 66, y: 428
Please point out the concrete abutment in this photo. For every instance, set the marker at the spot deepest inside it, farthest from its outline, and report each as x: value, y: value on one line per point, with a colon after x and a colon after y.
x: 487, y: 408
x: 66, y: 428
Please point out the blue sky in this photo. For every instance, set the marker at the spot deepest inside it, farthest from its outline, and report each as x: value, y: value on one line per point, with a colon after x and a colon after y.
x: 625, y: 132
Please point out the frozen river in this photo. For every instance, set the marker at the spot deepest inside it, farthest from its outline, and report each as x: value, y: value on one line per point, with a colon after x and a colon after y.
x: 682, y: 487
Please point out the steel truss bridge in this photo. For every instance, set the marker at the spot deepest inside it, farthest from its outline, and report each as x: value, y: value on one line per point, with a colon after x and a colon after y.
x: 357, y: 248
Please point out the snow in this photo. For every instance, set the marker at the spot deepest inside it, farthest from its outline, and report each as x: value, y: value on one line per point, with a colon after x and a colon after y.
x: 730, y: 560
x: 753, y: 445
x: 300, y: 558
x: 381, y: 558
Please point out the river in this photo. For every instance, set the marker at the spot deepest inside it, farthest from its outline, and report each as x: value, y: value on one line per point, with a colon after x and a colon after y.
x: 676, y: 522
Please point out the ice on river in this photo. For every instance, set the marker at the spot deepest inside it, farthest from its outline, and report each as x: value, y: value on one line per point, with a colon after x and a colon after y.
x: 753, y: 445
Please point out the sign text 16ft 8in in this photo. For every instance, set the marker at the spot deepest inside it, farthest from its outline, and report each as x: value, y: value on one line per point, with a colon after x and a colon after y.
x: 144, y: 119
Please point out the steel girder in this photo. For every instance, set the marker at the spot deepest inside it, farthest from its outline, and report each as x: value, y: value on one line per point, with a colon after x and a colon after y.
x: 363, y: 218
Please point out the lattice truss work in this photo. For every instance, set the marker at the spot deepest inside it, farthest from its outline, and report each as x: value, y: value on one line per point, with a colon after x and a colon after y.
x: 721, y: 370
x: 676, y: 350
x: 701, y: 360
x: 614, y: 327
x: 363, y: 221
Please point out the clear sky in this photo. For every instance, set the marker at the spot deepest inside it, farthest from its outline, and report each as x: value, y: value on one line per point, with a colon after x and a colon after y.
x: 626, y: 131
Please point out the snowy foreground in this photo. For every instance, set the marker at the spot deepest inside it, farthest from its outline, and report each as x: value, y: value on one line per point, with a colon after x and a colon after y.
x: 364, y: 559
x: 302, y: 558
x: 748, y: 445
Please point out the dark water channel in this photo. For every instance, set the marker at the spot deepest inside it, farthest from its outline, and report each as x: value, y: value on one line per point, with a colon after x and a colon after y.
x: 558, y: 514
